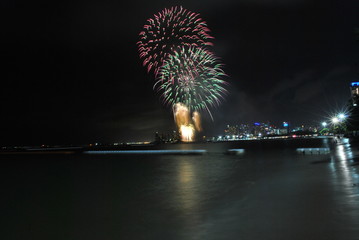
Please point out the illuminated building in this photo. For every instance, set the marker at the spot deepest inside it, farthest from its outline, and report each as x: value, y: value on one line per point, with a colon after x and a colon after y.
x: 286, y: 126
x: 262, y: 129
x: 231, y: 130
x: 244, y: 129
x: 354, y: 89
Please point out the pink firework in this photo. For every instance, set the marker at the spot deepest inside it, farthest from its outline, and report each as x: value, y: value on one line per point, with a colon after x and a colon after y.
x: 168, y: 29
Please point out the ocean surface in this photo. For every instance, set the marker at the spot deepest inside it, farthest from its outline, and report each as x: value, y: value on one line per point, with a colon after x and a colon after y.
x: 269, y: 191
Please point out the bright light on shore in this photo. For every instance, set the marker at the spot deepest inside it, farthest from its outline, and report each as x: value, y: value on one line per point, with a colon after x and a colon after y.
x: 341, y: 116
x: 335, y: 120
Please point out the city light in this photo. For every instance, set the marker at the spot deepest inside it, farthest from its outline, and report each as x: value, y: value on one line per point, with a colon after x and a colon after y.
x: 324, y: 124
x: 335, y: 120
x: 341, y: 116
x: 338, y: 118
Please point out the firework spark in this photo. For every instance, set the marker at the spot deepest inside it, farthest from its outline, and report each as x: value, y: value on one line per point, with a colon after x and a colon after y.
x: 168, y: 29
x: 184, y: 123
x: 187, y: 133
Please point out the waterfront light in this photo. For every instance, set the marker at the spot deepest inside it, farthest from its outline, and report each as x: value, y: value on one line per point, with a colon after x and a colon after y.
x: 341, y: 116
x: 324, y: 124
x: 335, y: 120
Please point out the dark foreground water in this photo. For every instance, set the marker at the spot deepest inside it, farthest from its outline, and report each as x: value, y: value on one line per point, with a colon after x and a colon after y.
x: 265, y: 193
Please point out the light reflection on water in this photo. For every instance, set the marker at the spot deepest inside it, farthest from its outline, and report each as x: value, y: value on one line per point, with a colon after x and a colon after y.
x: 345, y: 179
x: 186, y: 186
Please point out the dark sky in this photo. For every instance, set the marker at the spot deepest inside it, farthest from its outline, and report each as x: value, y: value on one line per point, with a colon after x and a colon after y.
x: 72, y: 72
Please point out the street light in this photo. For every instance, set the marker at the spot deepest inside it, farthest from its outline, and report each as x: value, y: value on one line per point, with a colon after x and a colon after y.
x: 324, y: 124
x: 335, y: 120
x: 341, y: 116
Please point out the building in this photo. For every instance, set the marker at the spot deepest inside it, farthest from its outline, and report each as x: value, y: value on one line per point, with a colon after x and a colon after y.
x: 354, y: 89
x: 231, y: 130
x: 263, y: 129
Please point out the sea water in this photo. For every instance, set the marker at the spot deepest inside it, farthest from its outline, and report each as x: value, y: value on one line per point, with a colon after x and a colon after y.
x: 265, y: 192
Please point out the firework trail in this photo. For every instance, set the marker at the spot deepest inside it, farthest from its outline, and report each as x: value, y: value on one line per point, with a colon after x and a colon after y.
x: 168, y: 29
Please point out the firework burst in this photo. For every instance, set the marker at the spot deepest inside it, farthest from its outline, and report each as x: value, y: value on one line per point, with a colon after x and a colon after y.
x: 174, y: 46
x: 191, y: 76
x: 168, y: 29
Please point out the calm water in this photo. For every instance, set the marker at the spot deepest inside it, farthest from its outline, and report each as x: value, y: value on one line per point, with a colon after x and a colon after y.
x: 266, y: 193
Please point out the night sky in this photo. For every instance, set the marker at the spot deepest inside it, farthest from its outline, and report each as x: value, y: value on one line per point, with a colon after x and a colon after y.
x: 72, y: 74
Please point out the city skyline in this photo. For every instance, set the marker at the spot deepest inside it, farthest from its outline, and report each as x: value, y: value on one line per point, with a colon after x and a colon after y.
x: 73, y: 75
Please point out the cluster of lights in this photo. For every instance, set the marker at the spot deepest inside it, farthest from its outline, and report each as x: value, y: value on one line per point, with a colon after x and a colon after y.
x: 336, y: 119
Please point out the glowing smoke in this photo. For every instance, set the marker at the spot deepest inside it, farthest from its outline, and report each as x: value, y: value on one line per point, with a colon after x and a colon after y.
x: 181, y: 114
x: 196, y: 117
x: 186, y: 125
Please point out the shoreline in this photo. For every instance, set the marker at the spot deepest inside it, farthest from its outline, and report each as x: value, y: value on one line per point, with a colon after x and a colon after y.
x: 222, y: 146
